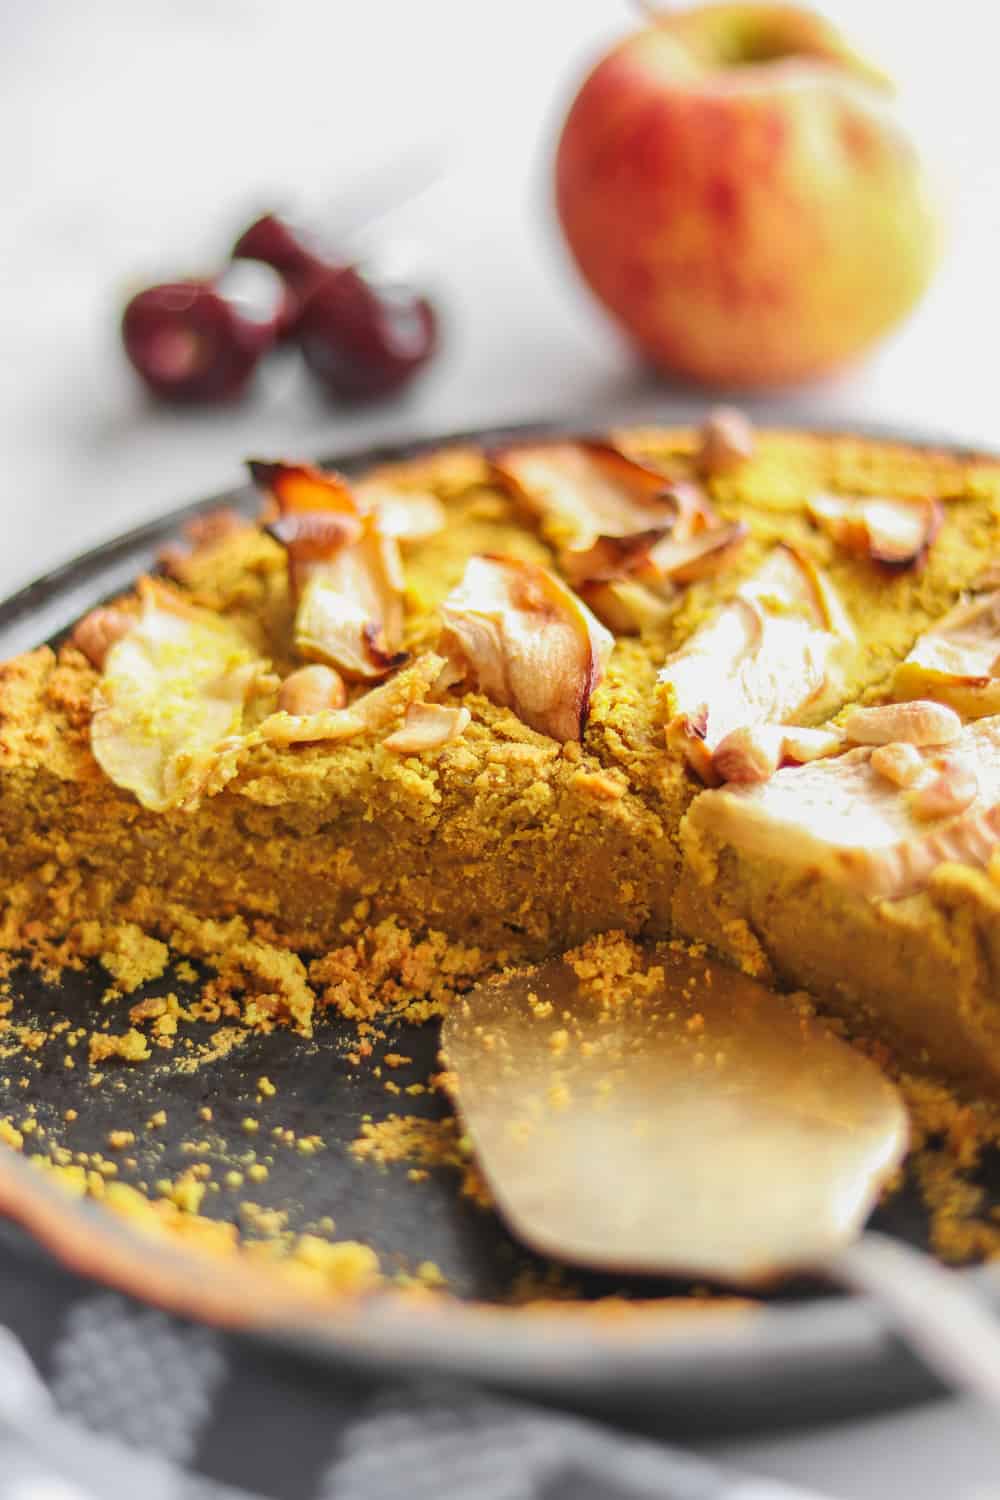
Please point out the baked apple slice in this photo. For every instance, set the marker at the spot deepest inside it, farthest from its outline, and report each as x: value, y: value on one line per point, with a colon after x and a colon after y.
x: 178, y: 689
x: 769, y: 653
x: 957, y: 661
x: 848, y: 820
x: 894, y: 533
x: 524, y: 639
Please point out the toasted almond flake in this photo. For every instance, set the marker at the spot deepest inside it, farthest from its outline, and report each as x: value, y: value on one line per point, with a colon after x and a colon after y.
x: 99, y: 630
x: 428, y: 726
x: 331, y: 725
x: 726, y: 442
x: 584, y: 490
x: 895, y: 533
x: 350, y: 613
x: 956, y: 661
x: 767, y: 655
x: 841, y: 819
x: 918, y: 722
x: 376, y: 710
x: 177, y: 692
x: 526, y: 641
x: 755, y: 752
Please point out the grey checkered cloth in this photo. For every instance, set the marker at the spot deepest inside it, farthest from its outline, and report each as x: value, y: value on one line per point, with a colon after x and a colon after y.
x: 103, y: 1398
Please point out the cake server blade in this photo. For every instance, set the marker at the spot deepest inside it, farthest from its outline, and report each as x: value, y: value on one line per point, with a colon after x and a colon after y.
x: 680, y: 1117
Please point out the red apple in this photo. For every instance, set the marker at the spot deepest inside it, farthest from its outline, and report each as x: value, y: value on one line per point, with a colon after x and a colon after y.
x: 737, y: 193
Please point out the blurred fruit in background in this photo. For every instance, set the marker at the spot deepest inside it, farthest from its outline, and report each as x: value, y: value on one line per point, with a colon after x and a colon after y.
x: 363, y: 328
x: 201, y: 340
x: 736, y: 191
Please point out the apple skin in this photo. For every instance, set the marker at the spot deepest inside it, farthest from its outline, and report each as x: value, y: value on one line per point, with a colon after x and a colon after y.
x: 736, y: 192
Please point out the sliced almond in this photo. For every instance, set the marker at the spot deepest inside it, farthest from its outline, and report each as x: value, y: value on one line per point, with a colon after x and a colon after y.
x: 895, y: 533
x: 328, y: 726
x: 767, y: 655
x: 177, y: 692
x: 526, y: 641
x: 375, y: 711
x: 958, y: 660
x: 428, y: 726
x: 845, y: 822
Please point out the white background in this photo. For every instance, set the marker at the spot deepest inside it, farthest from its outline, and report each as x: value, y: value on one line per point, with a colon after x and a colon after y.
x: 138, y: 136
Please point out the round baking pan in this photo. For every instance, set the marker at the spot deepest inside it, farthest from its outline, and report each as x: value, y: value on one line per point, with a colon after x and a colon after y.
x: 798, y: 1356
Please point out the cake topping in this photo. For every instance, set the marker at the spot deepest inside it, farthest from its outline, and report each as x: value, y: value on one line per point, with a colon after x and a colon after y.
x: 726, y: 442
x: 918, y: 722
x: 98, y: 631
x: 408, y: 515
x: 898, y: 762
x: 526, y: 641
x: 584, y: 490
x: 428, y: 726
x: 625, y: 606
x: 895, y: 533
x: 296, y: 489
x: 958, y: 659
x: 755, y: 753
x: 949, y: 786
x: 769, y: 653
x: 177, y: 691
x: 311, y: 690
x: 658, y: 558
x: 848, y: 820
x: 302, y: 489
x: 350, y: 612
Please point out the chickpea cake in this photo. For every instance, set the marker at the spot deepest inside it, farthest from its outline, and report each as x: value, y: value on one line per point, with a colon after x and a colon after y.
x: 732, y: 685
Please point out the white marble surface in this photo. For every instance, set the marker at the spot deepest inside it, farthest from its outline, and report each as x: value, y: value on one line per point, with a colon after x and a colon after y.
x: 138, y: 138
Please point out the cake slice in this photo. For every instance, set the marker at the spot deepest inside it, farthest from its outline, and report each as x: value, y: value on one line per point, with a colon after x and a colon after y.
x: 873, y: 877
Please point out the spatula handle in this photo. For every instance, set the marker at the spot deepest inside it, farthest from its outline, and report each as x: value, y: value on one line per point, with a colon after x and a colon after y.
x: 933, y: 1309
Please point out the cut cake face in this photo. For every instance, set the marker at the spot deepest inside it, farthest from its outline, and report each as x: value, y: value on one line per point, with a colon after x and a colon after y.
x: 570, y: 687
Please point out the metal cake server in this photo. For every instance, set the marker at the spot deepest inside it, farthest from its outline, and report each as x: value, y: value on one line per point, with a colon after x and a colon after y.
x: 686, y: 1119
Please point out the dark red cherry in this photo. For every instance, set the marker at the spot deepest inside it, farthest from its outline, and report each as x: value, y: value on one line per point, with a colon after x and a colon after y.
x: 280, y: 243
x: 364, y: 338
x: 293, y: 252
x: 196, y: 341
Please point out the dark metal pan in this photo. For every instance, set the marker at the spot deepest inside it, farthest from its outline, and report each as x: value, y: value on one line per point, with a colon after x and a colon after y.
x: 799, y: 1356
